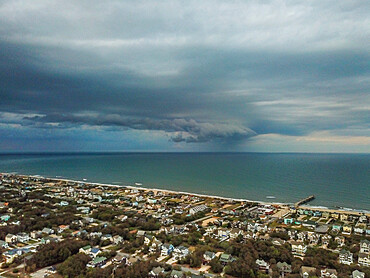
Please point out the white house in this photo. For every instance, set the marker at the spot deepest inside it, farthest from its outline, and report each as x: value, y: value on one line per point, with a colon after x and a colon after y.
x: 180, y: 252
x: 299, y: 249
x: 345, y: 257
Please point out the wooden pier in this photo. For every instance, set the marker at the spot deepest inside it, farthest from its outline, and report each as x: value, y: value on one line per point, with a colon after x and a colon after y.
x: 304, y: 201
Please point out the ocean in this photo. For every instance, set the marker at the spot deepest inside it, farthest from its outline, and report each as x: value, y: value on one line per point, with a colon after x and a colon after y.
x: 337, y: 180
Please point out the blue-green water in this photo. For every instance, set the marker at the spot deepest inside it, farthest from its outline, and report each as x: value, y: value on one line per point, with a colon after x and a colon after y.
x: 335, y: 179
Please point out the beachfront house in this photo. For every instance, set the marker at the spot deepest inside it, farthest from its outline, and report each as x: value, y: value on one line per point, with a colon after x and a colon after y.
x: 347, y: 230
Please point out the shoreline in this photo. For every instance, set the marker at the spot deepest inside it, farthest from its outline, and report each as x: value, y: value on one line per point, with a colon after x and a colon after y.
x: 288, y: 204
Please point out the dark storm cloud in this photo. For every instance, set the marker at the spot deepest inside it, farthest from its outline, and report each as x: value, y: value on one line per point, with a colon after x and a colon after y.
x: 198, y: 72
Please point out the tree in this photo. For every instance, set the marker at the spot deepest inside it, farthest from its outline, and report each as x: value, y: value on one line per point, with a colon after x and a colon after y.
x: 74, y: 265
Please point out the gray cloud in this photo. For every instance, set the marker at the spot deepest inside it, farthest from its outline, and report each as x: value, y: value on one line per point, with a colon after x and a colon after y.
x: 186, y: 130
x: 200, y: 72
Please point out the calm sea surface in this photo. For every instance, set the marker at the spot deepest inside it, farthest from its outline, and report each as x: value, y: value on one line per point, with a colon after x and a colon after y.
x: 335, y: 179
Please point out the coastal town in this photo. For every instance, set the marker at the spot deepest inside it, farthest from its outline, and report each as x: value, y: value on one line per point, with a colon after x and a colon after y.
x: 62, y: 228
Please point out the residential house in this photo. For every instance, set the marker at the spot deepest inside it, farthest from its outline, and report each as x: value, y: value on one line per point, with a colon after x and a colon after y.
x: 5, y: 217
x: 85, y: 250
x: 328, y: 273
x: 358, y: 274
x: 322, y: 229
x: 10, y: 238
x: 347, y: 229
x: 180, y: 252
x: 307, y: 271
x: 140, y: 233
x: 97, y: 262
x: 364, y: 259
x: 177, y: 274
x: 62, y: 228
x: 226, y: 258
x: 345, y: 257
x: 343, y: 217
x: 36, y: 234
x: 277, y: 241
x: 284, y: 267
x: 107, y: 237
x: 94, y: 252
x: 313, y: 238
x: 365, y: 246
x: 4, y: 244
x: 325, y: 239
x: 262, y: 265
x: 117, y: 239
x: 64, y: 203
x: 10, y: 255
x: 155, y: 272
x: 235, y: 232
x: 48, y: 239
x: 340, y: 240
x: 288, y: 221
x: 359, y: 230
x: 209, y: 256
x: 148, y: 239
x: 166, y: 249
x: 223, y: 233
x: 336, y: 227
x: 23, y: 237
x: 119, y: 259
x: 47, y: 231
x: 299, y: 249
x: 197, y: 209
x: 302, y: 236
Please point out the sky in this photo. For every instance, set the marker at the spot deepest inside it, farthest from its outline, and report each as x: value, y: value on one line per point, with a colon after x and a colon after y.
x: 264, y: 76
